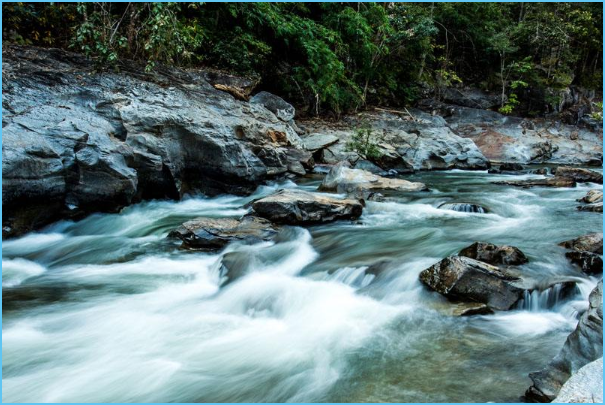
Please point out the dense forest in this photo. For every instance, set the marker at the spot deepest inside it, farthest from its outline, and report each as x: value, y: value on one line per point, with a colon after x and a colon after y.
x: 338, y: 57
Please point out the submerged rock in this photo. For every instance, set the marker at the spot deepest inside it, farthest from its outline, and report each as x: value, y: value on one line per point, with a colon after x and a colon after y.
x: 494, y: 254
x: 593, y: 196
x: 583, y: 345
x: 464, y: 207
x: 343, y: 179
x: 547, y: 182
x: 215, y: 233
x: 300, y: 207
x: 578, y: 174
x: 592, y: 242
x: 585, y: 386
x: 466, y: 279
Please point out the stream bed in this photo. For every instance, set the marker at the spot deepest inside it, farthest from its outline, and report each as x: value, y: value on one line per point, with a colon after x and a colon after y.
x: 107, y: 309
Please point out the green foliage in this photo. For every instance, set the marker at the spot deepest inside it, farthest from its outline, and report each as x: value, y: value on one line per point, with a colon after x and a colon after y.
x: 364, y: 143
x: 338, y: 57
x: 597, y: 114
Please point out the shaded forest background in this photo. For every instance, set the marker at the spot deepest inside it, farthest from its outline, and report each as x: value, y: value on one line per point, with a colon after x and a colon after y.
x: 331, y: 58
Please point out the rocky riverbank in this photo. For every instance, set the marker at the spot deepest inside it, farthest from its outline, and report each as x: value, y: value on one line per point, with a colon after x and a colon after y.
x: 78, y: 141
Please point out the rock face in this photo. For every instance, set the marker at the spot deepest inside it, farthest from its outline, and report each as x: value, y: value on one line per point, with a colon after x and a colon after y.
x: 343, y: 179
x: 547, y: 182
x: 593, y: 196
x: 215, y: 233
x: 465, y: 279
x: 417, y: 142
x: 579, y: 175
x: 592, y: 242
x: 464, y: 207
x: 297, y: 207
x: 511, y: 139
x: 75, y: 141
x: 585, y: 386
x: 277, y: 105
x: 583, y: 345
x: 494, y: 254
x: 473, y: 98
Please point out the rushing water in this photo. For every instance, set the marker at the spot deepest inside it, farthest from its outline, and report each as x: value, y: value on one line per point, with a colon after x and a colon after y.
x: 108, y: 309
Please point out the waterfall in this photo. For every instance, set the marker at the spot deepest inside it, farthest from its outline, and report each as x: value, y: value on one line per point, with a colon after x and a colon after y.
x: 538, y: 300
x: 464, y: 207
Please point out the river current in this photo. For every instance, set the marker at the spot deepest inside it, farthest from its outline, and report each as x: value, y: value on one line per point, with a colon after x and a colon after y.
x: 107, y: 309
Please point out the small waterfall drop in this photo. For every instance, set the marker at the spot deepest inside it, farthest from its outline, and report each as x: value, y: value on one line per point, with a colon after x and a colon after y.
x: 464, y: 207
x: 553, y: 297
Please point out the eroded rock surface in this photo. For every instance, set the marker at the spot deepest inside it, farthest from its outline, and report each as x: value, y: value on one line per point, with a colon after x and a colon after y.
x: 296, y: 207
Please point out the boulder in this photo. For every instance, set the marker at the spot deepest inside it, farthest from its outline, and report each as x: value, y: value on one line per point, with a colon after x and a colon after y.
x: 596, y: 207
x: 547, y: 182
x: 583, y: 345
x: 277, y: 105
x: 343, y: 179
x: 590, y: 263
x: 466, y: 279
x: 315, y: 142
x: 585, y: 386
x: 464, y: 207
x: 407, y: 141
x: 578, y: 174
x: 298, y: 207
x: 368, y: 166
x: 76, y: 141
x: 494, y: 254
x: 592, y: 242
x: 215, y: 233
x: 593, y: 196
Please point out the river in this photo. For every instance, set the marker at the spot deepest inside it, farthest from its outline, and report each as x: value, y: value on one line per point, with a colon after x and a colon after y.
x: 107, y: 309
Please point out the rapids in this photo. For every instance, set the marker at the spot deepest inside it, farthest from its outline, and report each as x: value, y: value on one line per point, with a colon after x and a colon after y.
x: 107, y: 309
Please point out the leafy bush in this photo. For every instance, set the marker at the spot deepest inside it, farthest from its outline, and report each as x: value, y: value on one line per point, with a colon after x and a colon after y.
x: 364, y: 143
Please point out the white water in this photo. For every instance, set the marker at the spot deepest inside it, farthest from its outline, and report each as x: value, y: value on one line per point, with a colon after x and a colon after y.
x: 107, y: 309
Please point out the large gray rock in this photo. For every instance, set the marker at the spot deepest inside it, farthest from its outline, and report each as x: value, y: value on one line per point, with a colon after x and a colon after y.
x: 296, y: 207
x: 215, y: 233
x: 406, y: 143
x: 546, y: 182
x: 583, y: 345
x: 343, y: 179
x: 315, y: 142
x: 494, y: 254
x: 76, y: 141
x: 595, y: 207
x: 585, y: 386
x: 466, y: 279
x: 277, y: 105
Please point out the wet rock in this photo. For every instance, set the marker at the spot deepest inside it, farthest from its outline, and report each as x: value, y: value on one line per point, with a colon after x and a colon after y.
x: 547, y: 182
x: 578, y: 174
x: 464, y: 207
x: 277, y: 105
x: 596, y: 207
x: 235, y: 265
x: 508, y: 168
x: 76, y: 141
x: 343, y: 179
x: 593, y: 196
x: 583, y: 345
x: 590, y: 263
x: 369, y: 167
x: 298, y: 207
x: 592, y: 242
x: 317, y: 141
x: 543, y: 171
x: 470, y: 309
x: 215, y: 233
x: 494, y: 254
x: 585, y: 386
x: 465, y: 279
